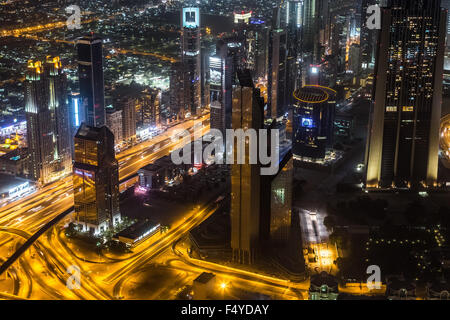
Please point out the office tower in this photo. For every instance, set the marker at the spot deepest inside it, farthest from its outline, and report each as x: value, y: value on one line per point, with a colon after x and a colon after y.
x: 276, y: 196
x: 310, y: 27
x: 176, y: 90
x: 191, y: 60
x: 313, y: 122
x: 90, y: 73
x: 231, y: 52
x: 128, y: 107
x: 76, y: 114
x: 254, y: 35
x: 403, y: 144
x: 293, y: 12
x: 277, y: 73
x: 95, y: 179
x: 218, y: 93
x: 48, y: 134
x: 114, y: 123
x: 446, y: 5
x: 368, y: 40
x: 248, y: 111
x: 150, y: 108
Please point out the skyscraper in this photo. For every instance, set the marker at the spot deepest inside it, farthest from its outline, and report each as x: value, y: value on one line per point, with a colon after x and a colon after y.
x: 248, y: 111
x: 191, y: 60
x: 277, y: 74
x: 90, y: 73
x: 48, y: 133
x: 313, y: 122
x: 403, y: 142
x: 368, y: 40
x: 95, y: 179
x: 217, y: 82
x: 114, y: 123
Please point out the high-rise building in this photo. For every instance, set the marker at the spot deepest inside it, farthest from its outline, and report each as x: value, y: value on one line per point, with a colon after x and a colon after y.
x: 368, y: 40
x: 95, y: 179
x: 90, y: 73
x: 217, y: 74
x: 114, y: 123
x: 191, y: 60
x: 150, y: 108
x: 48, y: 132
x: 76, y: 114
x: 276, y: 196
x: 248, y: 111
x: 277, y: 73
x: 128, y: 107
x: 310, y: 27
x: 176, y: 90
x: 254, y: 35
x: 403, y: 142
x: 313, y: 121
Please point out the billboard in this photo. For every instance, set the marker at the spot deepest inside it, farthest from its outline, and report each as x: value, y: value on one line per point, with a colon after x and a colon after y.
x: 191, y: 17
x: 307, y: 123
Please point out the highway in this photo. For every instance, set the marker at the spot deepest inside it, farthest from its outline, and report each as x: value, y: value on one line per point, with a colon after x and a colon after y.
x: 32, y: 212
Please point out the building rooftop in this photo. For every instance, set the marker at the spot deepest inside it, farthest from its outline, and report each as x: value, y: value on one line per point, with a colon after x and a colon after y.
x: 7, y: 182
x: 205, y: 277
x: 137, y: 229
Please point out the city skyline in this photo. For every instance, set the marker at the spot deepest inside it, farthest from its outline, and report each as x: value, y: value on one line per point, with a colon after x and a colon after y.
x: 341, y: 133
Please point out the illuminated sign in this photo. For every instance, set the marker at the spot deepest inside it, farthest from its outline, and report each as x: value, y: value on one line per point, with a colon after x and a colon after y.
x: 307, y: 123
x: 191, y: 17
x: 242, y: 17
x: 19, y: 190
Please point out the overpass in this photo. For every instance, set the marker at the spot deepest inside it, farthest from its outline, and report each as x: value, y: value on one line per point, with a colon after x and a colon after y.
x: 29, y: 242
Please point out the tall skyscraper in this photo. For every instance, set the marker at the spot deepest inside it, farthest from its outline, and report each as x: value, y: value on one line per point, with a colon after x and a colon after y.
x: 248, y: 112
x: 403, y: 144
x: 128, y: 107
x: 277, y: 73
x: 310, y: 27
x: 368, y: 40
x: 48, y: 132
x: 217, y: 82
x: 191, y: 60
x: 95, y: 179
x: 90, y: 73
x: 176, y: 90
x: 313, y: 119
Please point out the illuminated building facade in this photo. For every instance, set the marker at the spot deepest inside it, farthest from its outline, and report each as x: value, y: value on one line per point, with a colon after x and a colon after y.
x: 248, y: 111
x: 95, y: 179
x: 90, y: 73
x: 276, y: 197
x: 403, y: 146
x: 76, y: 114
x: 219, y: 70
x: 176, y: 90
x: 48, y: 132
x: 129, y: 119
x: 313, y: 121
x: 149, y: 108
x: 191, y: 60
x: 114, y: 123
x: 368, y: 41
x: 277, y: 73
